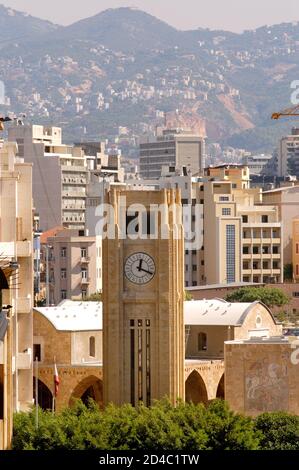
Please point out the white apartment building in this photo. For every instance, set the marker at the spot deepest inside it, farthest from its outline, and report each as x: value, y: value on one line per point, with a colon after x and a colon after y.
x: 59, y: 175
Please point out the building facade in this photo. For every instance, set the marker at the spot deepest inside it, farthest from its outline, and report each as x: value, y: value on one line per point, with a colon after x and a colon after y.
x: 287, y: 201
x: 288, y: 154
x: 172, y: 148
x: 242, y: 238
x: 261, y: 375
x: 59, y: 175
x: 228, y: 219
x: 73, y: 264
x: 69, y: 335
x: 16, y: 248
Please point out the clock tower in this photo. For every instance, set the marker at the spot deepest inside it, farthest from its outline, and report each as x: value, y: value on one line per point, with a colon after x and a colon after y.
x: 143, y: 297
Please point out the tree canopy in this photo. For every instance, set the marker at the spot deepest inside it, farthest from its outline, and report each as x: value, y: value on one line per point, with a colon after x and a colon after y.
x: 160, y: 427
x: 270, y: 296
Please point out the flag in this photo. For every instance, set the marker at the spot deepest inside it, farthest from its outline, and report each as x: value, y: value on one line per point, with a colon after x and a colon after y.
x: 56, y: 380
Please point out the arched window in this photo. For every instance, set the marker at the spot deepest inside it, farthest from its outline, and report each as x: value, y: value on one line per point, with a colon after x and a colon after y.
x: 92, y: 346
x: 202, y: 341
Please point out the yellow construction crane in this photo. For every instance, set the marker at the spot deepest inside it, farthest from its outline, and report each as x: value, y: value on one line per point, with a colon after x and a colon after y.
x: 2, y: 121
x: 289, y: 112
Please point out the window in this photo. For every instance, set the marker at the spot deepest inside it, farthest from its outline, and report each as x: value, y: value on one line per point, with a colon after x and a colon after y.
x: 230, y: 253
x: 63, y: 252
x: 234, y: 186
x: 265, y: 250
x: 296, y: 294
x: 37, y: 352
x: 255, y: 250
x: 92, y: 346
x: 245, y: 250
x: 84, y: 294
x: 223, y: 198
x: 186, y: 267
x: 186, y: 284
x: 63, y: 274
x: 226, y: 211
x: 83, y: 252
x: 265, y: 265
x: 276, y: 265
x: 264, y: 219
x: 202, y: 262
x: 194, y: 267
x: 186, y: 252
x: 297, y: 248
x: 275, y: 250
x: 245, y: 219
x: 202, y: 342
x: 255, y: 265
x: 84, y: 273
x: 63, y: 294
x: 194, y: 283
x: 297, y: 269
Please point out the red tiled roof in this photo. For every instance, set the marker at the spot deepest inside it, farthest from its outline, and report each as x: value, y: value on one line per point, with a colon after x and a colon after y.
x: 50, y: 233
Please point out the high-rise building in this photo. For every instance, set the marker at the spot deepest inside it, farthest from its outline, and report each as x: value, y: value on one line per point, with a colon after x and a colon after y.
x: 172, y: 148
x: 16, y: 249
x: 242, y: 238
x: 143, y: 297
x: 59, y: 175
x: 288, y: 154
x: 286, y: 199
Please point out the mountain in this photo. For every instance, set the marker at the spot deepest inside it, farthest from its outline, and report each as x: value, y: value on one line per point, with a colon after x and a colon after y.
x: 125, y: 29
x: 123, y: 71
x: 17, y: 25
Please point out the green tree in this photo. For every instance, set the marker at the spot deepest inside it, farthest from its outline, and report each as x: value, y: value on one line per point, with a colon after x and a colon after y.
x: 160, y: 427
x: 279, y: 431
x: 96, y: 297
x: 188, y: 296
x: 270, y: 296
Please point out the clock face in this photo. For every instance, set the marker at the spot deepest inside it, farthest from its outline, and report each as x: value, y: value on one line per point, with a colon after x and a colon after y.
x: 140, y: 268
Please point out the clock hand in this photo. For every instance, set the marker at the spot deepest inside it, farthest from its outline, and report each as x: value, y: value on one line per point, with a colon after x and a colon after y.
x: 140, y: 264
x: 146, y: 271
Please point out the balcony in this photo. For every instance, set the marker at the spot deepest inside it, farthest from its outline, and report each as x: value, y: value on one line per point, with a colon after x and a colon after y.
x: 74, y: 194
x: 246, y: 272
x: 24, y: 304
x: 24, y: 360
x: 23, y: 249
x: 85, y: 259
x: 85, y: 280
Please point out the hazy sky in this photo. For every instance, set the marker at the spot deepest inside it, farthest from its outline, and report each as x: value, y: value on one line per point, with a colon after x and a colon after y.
x: 233, y: 15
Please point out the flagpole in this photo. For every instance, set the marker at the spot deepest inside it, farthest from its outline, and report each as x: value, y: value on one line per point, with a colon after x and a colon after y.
x: 36, y: 393
x: 54, y: 388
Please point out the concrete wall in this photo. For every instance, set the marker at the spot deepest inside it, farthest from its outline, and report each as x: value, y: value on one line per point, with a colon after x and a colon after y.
x: 261, y: 378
